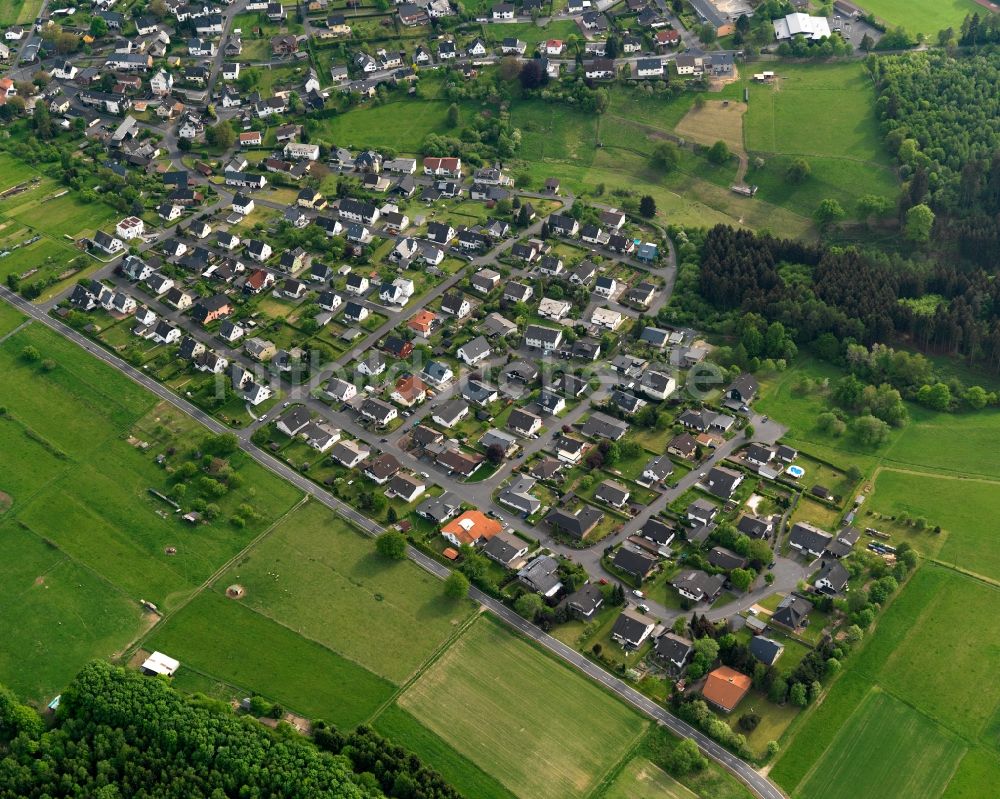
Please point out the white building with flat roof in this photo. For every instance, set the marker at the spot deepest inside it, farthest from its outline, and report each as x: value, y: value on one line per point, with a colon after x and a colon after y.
x: 798, y: 24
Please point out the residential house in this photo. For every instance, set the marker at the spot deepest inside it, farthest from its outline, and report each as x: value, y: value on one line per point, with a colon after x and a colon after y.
x: 699, y: 586
x: 674, y: 652
x: 809, y: 540
x: 725, y: 688
x: 585, y: 601
x: 634, y: 563
x: 631, y: 629
x: 576, y: 525
x: 470, y: 528
x: 506, y: 549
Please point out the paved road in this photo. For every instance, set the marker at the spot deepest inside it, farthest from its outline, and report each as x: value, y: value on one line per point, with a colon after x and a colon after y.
x: 760, y: 785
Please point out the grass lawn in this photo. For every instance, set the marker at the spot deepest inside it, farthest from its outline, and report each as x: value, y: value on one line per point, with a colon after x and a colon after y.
x: 460, y: 772
x: 958, y: 505
x: 924, y: 16
x: 641, y: 779
x: 228, y: 641
x: 318, y: 576
x: 886, y: 749
x: 377, y: 126
x: 562, y: 733
x: 817, y: 513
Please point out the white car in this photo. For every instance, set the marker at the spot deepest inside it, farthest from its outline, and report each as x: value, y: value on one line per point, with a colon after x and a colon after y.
x: 638, y: 593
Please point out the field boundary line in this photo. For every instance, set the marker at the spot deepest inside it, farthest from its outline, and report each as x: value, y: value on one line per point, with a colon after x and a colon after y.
x: 971, y: 477
x: 600, y: 786
x: 992, y: 583
x: 311, y: 640
x: 104, y: 579
x: 136, y: 642
x: 434, y: 657
x: 17, y: 329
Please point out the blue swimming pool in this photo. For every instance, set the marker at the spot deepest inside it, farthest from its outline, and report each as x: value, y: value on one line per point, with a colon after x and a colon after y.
x: 795, y: 471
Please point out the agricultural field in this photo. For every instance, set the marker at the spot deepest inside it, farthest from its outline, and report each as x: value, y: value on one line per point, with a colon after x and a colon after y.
x: 317, y: 576
x: 403, y: 729
x: 885, y: 749
x: 568, y: 731
x: 893, y: 727
x: 81, y: 537
x: 641, y: 779
x: 924, y: 16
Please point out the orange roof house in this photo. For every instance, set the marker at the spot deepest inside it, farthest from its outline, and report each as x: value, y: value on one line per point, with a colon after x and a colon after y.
x: 409, y: 391
x: 471, y: 526
x: 725, y: 687
x: 422, y: 321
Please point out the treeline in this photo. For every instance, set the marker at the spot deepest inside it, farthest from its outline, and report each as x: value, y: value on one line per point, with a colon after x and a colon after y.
x: 117, y: 734
x: 831, y: 298
x: 382, y: 765
x: 938, y: 117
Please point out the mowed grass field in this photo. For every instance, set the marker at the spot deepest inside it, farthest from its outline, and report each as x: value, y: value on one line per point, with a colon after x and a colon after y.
x: 81, y: 539
x: 318, y: 576
x: 924, y: 16
x: 523, y: 717
x: 641, y: 779
x: 917, y: 713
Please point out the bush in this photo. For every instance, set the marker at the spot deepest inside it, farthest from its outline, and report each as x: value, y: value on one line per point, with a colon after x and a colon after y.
x: 749, y: 722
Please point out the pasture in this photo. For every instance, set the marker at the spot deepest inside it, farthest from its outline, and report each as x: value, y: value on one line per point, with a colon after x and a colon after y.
x: 641, y: 779
x: 82, y: 539
x: 959, y: 506
x: 378, y: 126
x: 940, y: 610
x: 317, y: 576
x: 924, y: 16
x: 56, y: 614
x: 556, y: 739
x: 9, y: 318
x: 885, y: 749
x: 824, y: 113
x: 229, y: 642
